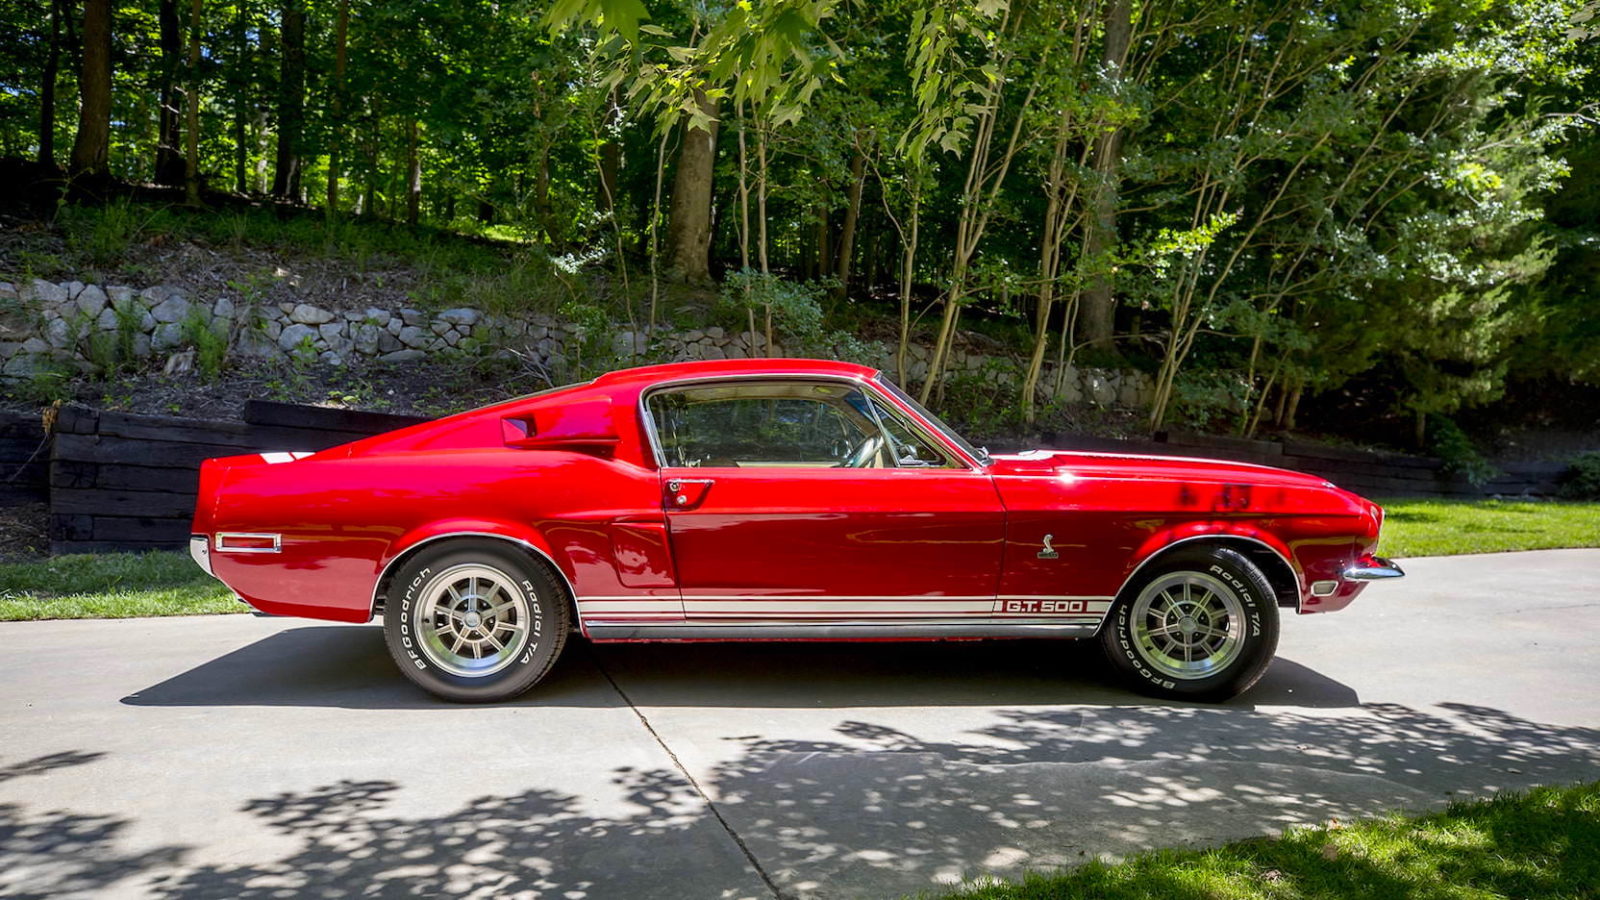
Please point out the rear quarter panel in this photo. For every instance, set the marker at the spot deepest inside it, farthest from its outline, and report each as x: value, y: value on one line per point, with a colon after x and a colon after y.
x: 343, y: 519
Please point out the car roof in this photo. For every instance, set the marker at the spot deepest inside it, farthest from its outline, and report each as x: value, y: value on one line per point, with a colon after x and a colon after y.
x: 713, y: 368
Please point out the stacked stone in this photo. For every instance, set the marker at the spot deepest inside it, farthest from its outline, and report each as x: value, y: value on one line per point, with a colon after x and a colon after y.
x: 43, y: 323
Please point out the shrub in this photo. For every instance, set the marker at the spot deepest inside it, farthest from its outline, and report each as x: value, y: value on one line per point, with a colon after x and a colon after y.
x: 1581, y: 481
x: 1460, y: 455
x: 1208, y: 401
x: 210, y: 344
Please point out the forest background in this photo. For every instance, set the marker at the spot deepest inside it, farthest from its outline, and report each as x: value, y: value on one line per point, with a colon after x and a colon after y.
x: 1341, y: 211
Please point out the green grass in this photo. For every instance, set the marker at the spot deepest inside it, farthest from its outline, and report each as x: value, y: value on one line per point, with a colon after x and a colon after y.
x: 1544, y: 844
x: 110, y: 586
x: 1449, y: 527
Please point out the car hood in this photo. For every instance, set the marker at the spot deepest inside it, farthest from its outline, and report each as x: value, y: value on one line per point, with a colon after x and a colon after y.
x: 1120, y: 466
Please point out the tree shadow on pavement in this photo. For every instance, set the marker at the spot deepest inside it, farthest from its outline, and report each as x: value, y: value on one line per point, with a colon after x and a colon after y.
x: 868, y: 809
x: 49, y: 854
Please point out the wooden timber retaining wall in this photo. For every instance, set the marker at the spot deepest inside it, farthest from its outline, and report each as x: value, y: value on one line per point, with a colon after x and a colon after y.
x: 24, y: 460
x: 128, y: 482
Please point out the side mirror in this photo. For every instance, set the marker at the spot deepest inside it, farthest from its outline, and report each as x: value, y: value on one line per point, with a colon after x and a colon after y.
x: 585, y: 427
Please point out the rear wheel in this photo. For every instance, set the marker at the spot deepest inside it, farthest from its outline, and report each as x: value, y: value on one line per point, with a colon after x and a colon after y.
x: 474, y: 621
x: 1199, y: 624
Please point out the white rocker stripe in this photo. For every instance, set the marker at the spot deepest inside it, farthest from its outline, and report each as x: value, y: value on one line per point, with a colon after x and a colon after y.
x: 903, y: 598
x: 756, y: 606
x: 632, y: 606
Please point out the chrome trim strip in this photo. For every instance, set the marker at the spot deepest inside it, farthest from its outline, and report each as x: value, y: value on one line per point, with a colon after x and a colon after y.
x: 372, y: 606
x: 797, y: 598
x: 1212, y: 537
x: 748, y: 631
x: 647, y: 422
x: 1055, y: 597
x: 588, y: 597
x: 200, y: 552
x: 220, y: 543
x: 1379, y: 570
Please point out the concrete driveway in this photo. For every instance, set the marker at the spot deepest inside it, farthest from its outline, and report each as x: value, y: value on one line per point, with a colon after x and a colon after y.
x: 246, y: 757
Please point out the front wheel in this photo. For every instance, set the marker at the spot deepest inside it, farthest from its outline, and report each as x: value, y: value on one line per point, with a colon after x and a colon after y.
x: 474, y: 621
x: 1198, y: 624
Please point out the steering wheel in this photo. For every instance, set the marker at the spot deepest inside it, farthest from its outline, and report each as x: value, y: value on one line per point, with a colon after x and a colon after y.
x: 865, y: 453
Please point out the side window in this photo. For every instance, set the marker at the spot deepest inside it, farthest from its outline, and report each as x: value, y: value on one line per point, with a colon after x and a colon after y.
x: 773, y: 425
x: 795, y: 424
x: 910, y: 448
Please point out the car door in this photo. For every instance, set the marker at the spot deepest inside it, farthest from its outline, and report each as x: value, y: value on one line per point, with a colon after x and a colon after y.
x: 812, y: 501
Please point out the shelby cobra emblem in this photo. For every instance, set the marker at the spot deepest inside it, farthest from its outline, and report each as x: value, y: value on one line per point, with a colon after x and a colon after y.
x: 1048, y: 552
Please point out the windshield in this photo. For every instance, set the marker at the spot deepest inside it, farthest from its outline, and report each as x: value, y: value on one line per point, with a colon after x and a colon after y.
x: 951, y: 434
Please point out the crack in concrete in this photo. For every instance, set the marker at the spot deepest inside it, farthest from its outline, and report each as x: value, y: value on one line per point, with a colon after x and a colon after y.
x: 644, y: 720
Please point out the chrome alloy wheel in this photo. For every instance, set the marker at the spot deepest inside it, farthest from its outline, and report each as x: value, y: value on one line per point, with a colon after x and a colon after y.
x: 1188, y: 625
x: 473, y: 620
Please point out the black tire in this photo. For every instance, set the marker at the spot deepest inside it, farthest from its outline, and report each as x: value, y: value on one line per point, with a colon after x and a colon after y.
x: 1227, y: 632
x: 421, y: 635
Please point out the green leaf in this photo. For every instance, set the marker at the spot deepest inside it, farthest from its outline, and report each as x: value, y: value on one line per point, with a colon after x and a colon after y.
x: 623, y: 16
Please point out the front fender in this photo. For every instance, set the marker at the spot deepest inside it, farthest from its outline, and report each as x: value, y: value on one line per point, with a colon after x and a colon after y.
x: 1193, y: 532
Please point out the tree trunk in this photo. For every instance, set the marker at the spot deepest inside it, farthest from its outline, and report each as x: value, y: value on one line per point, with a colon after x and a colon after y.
x: 47, y: 87
x: 824, y: 244
x: 241, y: 104
x: 605, y: 194
x: 191, y: 92
x: 170, y: 166
x: 610, y: 162
x: 91, y: 145
x: 541, y: 194
x: 908, y: 274
x: 689, y: 226
x: 1098, y: 313
x: 852, y: 213
x: 291, y: 102
x: 413, y: 174
x: 341, y: 35
x: 761, y: 197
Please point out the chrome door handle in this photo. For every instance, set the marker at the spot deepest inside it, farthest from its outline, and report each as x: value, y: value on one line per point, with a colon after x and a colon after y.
x: 686, y: 493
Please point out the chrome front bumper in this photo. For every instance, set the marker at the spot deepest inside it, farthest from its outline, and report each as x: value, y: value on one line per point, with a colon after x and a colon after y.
x: 1373, y: 568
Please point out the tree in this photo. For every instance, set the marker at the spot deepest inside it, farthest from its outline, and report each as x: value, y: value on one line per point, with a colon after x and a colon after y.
x: 1100, y: 233
x: 291, y: 102
x: 92, y: 144
x: 47, y: 86
x: 191, y: 91
x: 169, y: 164
x: 341, y: 56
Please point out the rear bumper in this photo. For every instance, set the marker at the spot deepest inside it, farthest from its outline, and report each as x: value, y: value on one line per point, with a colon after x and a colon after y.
x: 200, y: 552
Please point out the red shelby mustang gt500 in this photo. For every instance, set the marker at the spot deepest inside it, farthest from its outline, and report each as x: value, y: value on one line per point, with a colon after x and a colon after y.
x: 773, y: 499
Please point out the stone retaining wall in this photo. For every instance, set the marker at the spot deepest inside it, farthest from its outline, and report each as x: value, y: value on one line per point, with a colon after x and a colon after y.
x: 44, y: 323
